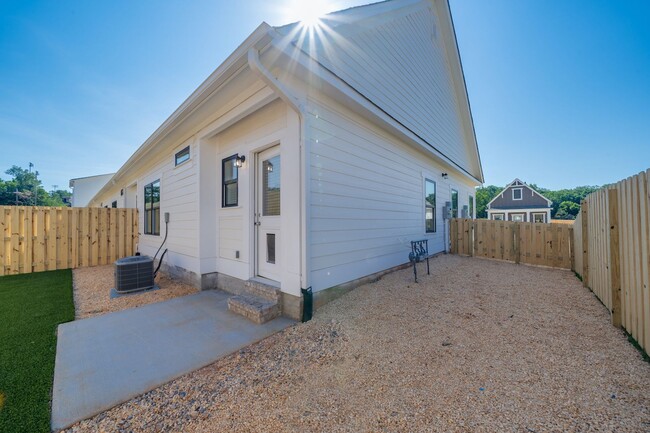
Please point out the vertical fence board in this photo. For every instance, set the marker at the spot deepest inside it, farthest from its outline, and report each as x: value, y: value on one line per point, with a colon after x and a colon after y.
x: 645, y: 208
x: 84, y: 256
x: 15, y: 241
x: 23, y: 262
x: 51, y: 239
x: 39, y: 239
x: 65, y: 238
x: 94, y: 236
x: 74, y: 237
x: 103, y: 239
x: 3, y: 236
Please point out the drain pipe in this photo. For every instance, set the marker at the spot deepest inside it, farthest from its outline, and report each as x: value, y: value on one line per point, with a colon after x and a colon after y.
x: 285, y: 94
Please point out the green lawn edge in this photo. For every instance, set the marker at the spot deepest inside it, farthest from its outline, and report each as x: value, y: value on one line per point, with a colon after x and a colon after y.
x: 31, y: 308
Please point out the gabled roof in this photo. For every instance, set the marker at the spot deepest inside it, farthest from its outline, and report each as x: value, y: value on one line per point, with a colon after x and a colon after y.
x: 518, y: 183
x: 387, y: 53
x: 341, y: 21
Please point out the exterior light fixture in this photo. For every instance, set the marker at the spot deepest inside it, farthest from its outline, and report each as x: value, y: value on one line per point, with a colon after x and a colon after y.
x: 444, y: 175
x: 239, y: 161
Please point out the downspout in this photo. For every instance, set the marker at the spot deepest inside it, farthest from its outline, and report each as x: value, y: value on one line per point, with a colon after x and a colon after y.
x: 285, y: 94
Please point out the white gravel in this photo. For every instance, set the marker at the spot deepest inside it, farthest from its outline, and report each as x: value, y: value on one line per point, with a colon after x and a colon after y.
x: 478, y: 346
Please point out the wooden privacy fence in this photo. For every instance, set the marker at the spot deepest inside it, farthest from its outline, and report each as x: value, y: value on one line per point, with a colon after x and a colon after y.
x: 519, y: 242
x: 612, y: 231
x: 36, y: 239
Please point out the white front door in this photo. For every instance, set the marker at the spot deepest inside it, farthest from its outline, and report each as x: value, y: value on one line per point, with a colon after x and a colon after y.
x: 268, y: 213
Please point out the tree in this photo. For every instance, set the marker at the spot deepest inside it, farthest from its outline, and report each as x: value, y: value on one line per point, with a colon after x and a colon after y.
x: 567, y: 210
x: 25, y: 189
x: 484, y: 195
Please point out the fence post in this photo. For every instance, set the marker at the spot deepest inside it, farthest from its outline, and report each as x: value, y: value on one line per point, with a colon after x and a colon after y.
x: 614, y: 259
x: 585, y: 243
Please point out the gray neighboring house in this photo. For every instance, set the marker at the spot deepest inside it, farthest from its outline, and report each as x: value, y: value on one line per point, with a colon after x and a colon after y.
x: 520, y: 202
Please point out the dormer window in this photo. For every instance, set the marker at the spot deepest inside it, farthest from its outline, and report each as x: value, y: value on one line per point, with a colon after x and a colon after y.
x: 517, y: 193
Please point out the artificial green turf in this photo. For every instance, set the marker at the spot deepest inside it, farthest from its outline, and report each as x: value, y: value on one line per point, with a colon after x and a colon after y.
x: 31, y: 307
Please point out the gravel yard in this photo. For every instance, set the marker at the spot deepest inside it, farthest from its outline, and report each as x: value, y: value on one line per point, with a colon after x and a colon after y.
x: 92, y: 288
x: 478, y: 346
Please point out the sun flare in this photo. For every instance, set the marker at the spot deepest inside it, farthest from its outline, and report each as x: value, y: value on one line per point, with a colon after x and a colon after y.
x: 307, y: 12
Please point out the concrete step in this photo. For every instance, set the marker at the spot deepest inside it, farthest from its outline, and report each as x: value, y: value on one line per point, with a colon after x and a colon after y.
x: 254, y: 308
x: 262, y: 290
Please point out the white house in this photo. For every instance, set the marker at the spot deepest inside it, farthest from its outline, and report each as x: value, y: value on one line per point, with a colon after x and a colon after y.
x: 312, y: 156
x: 520, y: 202
x: 85, y: 188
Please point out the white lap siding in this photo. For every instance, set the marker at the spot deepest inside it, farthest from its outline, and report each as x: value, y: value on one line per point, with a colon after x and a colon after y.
x: 178, y: 196
x: 367, y: 197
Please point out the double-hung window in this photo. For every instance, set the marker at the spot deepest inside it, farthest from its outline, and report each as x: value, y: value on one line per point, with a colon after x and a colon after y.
x: 152, y: 208
x: 429, y: 206
x: 229, y: 178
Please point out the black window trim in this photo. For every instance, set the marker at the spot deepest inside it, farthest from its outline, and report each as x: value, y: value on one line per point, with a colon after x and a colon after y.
x: 426, y: 204
x: 224, y: 161
x: 180, y: 152
x: 151, y: 229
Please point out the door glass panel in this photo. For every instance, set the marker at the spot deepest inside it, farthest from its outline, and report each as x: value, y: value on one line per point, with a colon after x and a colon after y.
x: 270, y: 248
x: 271, y: 187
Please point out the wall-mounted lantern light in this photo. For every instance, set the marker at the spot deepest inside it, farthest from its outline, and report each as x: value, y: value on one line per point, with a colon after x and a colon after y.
x: 239, y: 161
x: 444, y: 175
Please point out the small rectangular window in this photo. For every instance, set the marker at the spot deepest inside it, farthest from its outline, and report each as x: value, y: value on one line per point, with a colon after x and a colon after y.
x: 471, y: 206
x: 182, y: 156
x: 229, y: 178
x: 498, y: 217
x: 114, y: 204
x: 454, y: 203
x: 516, y: 194
x: 429, y: 206
x: 152, y: 208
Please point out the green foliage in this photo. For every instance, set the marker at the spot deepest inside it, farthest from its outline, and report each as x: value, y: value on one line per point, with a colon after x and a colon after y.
x: 26, y: 189
x: 567, y: 211
x: 566, y: 202
x: 483, y: 196
x: 574, y: 195
x: 31, y: 307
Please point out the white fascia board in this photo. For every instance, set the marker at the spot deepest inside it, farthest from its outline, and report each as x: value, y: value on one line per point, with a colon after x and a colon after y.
x: 232, y: 65
x: 338, y: 89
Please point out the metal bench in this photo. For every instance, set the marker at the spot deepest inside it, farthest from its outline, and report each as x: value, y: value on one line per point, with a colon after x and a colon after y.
x: 419, y: 252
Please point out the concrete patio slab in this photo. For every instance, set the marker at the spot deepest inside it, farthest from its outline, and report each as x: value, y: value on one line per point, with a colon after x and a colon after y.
x: 106, y: 360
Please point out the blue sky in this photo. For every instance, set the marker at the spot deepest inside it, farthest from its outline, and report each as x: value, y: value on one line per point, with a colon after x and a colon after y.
x: 560, y: 91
